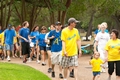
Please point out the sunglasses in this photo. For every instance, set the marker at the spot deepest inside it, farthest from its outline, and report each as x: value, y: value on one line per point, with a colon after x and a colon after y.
x: 43, y: 29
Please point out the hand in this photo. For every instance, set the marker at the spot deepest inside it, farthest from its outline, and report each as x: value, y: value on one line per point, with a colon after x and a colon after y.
x: 80, y: 54
x: 53, y: 37
x: 65, y: 54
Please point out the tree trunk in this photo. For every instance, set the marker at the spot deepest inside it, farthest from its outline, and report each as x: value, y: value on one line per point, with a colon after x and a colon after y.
x: 89, y: 30
x: 116, y: 18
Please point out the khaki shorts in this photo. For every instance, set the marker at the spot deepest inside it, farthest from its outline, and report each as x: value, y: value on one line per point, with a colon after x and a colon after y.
x: 56, y: 57
x: 70, y: 61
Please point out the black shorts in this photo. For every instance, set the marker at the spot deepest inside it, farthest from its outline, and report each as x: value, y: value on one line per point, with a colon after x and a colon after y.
x: 25, y: 48
x: 48, y: 48
x: 111, y: 65
x: 43, y: 48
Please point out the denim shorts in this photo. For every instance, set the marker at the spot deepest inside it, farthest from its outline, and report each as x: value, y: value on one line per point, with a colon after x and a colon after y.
x: 96, y: 73
x: 9, y: 47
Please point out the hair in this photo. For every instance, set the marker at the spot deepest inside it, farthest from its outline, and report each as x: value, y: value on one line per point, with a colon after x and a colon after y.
x: 33, y: 29
x: 24, y: 23
x: 116, y: 32
x: 104, y: 24
x: 43, y: 27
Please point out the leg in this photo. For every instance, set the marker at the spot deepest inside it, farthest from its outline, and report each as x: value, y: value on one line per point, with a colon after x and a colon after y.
x: 65, y: 72
x: 110, y: 69
x: 43, y: 57
x: 117, y: 70
x: 49, y: 61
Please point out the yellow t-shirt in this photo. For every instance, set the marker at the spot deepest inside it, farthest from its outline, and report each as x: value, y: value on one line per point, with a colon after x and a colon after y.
x: 70, y: 38
x: 96, y: 64
x: 113, y: 48
x: 2, y: 38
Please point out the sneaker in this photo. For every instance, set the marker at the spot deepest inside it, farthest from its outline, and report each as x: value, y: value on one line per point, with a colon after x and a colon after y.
x: 25, y: 61
x: 8, y: 58
x: 49, y: 70
x: 43, y: 64
x: 29, y: 60
x: 60, y: 76
x: 38, y: 61
x: 71, y: 74
x: 53, y: 74
x: 103, y: 70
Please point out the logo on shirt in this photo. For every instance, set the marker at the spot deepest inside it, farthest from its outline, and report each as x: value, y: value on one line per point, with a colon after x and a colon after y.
x: 69, y: 38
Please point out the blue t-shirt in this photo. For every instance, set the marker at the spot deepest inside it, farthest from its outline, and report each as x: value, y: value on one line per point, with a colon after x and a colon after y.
x: 9, y: 36
x: 41, y: 39
x: 56, y: 43
x: 0, y: 31
x: 32, y: 34
x: 24, y: 32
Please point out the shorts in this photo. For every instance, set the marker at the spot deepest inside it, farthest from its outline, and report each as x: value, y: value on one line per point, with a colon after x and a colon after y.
x: 48, y: 48
x: 96, y: 73
x: 56, y: 57
x: 25, y: 48
x: 9, y: 47
x: 43, y: 48
x: 69, y: 61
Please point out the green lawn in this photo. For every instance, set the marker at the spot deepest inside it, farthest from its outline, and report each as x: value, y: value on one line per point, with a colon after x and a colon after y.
x: 10, y: 71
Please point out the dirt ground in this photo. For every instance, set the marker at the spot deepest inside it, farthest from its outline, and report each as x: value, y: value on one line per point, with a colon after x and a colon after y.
x: 84, y: 69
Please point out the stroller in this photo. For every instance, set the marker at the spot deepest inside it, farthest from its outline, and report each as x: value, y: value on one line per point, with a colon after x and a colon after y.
x: 84, y: 50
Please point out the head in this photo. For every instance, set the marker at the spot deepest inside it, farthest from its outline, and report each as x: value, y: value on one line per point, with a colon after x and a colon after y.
x: 43, y: 29
x: 96, y: 55
x: 114, y: 34
x: 72, y: 22
x: 25, y: 24
x: 9, y: 26
x: 103, y: 27
x: 99, y: 25
x: 35, y: 28
x: 58, y: 25
x: 52, y: 27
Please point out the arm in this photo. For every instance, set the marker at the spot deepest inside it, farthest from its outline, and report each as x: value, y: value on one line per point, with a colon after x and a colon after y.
x: 95, y: 46
x: 79, y: 47
x: 64, y: 50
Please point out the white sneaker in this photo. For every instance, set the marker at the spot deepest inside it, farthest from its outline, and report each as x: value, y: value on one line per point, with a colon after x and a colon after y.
x: 103, y: 70
x: 8, y: 58
x: 29, y: 60
x: 38, y: 61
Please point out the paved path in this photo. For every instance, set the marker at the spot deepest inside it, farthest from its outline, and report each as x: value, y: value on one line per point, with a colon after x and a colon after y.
x: 84, y: 69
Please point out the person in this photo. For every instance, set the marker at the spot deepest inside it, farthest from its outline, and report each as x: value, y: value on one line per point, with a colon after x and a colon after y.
x: 113, y: 54
x: 56, y: 48
x: 96, y: 63
x: 71, y: 44
x: 1, y: 29
x: 33, y: 36
x: 9, y: 35
x: 48, y: 48
x: 42, y: 44
x: 97, y: 30
x: 24, y: 36
x: 100, y: 42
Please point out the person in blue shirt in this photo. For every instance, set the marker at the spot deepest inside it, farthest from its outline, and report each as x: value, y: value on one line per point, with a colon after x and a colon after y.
x: 1, y: 29
x: 42, y: 44
x: 48, y: 48
x: 24, y: 36
x: 9, y: 35
x: 33, y: 36
x: 56, y: 48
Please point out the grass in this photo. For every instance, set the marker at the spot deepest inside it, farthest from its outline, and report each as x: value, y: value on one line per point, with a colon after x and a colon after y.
x: 10, y: 71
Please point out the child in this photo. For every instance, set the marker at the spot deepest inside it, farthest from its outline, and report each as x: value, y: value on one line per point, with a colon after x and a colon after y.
x: 96, y: 65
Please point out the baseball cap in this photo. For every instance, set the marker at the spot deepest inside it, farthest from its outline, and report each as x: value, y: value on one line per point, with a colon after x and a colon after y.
x: 9, y: 26
x: 71, y: 20
x: 58, y: 23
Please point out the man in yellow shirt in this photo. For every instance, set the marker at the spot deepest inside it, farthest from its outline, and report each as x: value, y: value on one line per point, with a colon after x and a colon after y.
x: 70, y: 44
